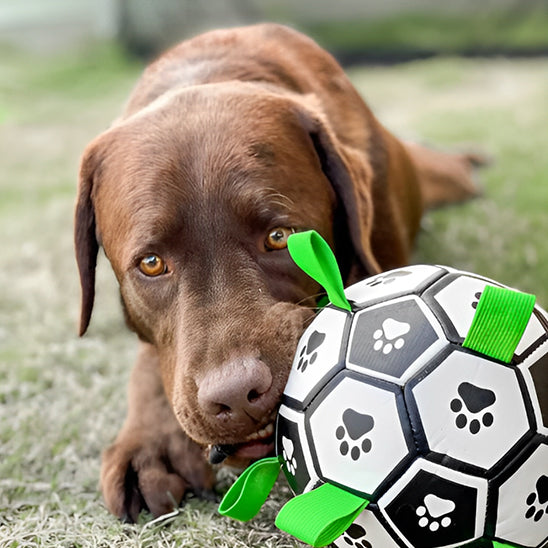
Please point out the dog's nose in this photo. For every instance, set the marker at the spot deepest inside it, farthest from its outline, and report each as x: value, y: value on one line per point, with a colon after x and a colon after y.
x: 238, y: 391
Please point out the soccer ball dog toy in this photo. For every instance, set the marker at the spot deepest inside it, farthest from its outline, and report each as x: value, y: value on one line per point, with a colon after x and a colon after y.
x: 415, y: 414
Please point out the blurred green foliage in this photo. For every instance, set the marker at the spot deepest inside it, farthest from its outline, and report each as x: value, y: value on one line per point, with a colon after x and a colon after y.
x: 517, y: 31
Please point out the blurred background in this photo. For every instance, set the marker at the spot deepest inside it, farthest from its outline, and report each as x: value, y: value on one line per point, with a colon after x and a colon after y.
x: 460, y: 75
x: 353, y: 29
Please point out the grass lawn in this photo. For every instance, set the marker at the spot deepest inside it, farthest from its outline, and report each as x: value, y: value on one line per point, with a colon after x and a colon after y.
x: 62, y: 398
x: 519, y: 30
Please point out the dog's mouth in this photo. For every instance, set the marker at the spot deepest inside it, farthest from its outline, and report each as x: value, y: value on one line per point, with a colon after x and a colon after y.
x: 255, y: 446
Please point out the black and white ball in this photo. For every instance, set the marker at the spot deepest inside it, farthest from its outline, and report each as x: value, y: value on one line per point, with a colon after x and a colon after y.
x: 450, y: 446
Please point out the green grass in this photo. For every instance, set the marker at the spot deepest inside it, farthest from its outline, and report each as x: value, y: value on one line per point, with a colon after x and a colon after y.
x: 512, y: 30
x: 62, y: 398
x: 496, y: 105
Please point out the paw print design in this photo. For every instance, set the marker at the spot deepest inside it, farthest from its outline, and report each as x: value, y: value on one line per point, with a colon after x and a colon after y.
x: 472, y: 401
x: 288, y: 453
x: 435, y: 512
x: 355, y: 425
x: 390, y: 336
x: 355, y: 536
x: 308, y: 354
x: 537, y: 501
x: 388, y: 278
x: 477, y: 296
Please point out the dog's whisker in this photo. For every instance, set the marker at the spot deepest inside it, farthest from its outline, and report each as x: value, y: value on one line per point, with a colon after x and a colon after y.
x: 315, y: 297
x: 308, y: 321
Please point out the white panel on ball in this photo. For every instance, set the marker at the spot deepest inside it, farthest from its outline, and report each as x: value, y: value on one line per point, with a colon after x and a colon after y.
x: 318, y: 354
x: 393, y: 283
x: 459, y: 300
x: 471, y: 409
x: 522, y: 514
x: 357, y: 434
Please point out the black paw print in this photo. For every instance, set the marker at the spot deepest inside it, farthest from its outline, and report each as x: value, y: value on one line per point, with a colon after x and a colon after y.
x: 477, y: 296
x: 473, y: 400
x: 356, y: 426
x: 355, y: 536
x: 387, y: 278
x: 308, y: 354
x: 537, y: 501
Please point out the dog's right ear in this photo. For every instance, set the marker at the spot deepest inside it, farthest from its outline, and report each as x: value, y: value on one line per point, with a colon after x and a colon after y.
x: 85, y: 236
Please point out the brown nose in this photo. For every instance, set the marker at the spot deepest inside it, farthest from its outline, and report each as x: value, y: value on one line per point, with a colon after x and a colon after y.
x: 237, y: 392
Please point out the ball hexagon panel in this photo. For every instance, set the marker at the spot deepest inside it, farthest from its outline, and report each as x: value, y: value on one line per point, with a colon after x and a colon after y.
x: 522, y: 513
x: 366, y: 532
x: 471, y: 409
x: 458, y: 300
x: 393, y: 283
x: 433, y: 506
x: 318, y: 356
x: 535, y: 372
x: 392, y: 340
x: 297, y: 462
x: 358, y: 432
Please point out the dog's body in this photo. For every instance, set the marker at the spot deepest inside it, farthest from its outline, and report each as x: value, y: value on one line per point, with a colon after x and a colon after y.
x: 230, y: 142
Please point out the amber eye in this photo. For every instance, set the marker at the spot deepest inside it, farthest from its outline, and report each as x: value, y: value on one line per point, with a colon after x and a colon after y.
x: 152, y: 266
x: 277, y: 238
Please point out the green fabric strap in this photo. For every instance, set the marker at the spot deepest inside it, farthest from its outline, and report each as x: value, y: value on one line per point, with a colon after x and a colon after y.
x: 313, y: 255
x: 501, y: 545
x: 321, y: 515
x: 249, y: 492
x: 499, y: 322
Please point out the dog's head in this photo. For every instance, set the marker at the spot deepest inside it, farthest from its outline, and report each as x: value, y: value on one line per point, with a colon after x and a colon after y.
x: 193, y: 199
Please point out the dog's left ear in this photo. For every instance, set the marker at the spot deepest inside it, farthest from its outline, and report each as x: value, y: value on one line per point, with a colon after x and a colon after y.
x: 352, y: 179
x: 85, y: 238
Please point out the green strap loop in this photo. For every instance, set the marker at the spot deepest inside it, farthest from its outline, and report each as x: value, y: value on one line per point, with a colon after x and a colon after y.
x: 313, y: 255
x: 499, y: 322
x: 249, y: 492
x: 502, y: 545
x: 321, y: 515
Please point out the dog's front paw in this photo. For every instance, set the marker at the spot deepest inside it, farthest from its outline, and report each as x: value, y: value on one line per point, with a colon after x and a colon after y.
x: 152, y: 471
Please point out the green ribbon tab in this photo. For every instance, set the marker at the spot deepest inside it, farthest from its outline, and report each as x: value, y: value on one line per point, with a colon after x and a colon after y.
x: 249, y: 492
x: 313, y: 255
x: 321, y: 515
x: 499, y: 322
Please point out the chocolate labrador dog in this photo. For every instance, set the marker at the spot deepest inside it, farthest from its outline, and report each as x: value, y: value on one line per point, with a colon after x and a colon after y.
x: 229, y: 143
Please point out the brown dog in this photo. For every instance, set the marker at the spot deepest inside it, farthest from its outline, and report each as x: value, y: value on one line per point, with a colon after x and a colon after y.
x: 230, y: 142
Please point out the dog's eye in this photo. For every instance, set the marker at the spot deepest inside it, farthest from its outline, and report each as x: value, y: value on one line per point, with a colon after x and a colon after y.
x: 277, y: 238
x: 152, y: 266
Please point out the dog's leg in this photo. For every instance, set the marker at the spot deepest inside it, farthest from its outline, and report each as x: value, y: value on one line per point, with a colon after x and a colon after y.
x: 444, y: 177
x: 152, y: 463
